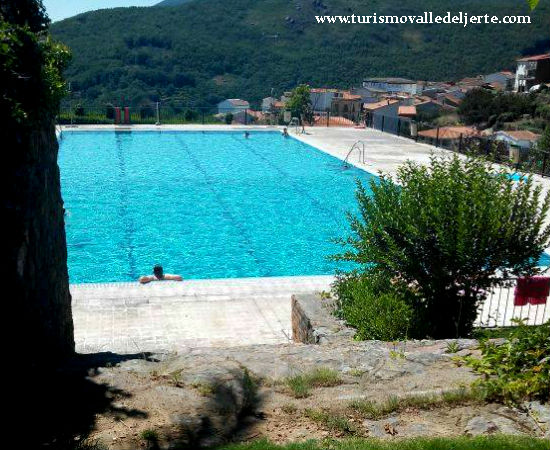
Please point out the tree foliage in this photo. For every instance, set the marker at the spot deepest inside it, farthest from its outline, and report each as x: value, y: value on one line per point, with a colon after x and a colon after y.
x: 481, y: 106
x: 451, y: 232
x: 299, y: 103
x: 31, y: 63
x: 205, y: 51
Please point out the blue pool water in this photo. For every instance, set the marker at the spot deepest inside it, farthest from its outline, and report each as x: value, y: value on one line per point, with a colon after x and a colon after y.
x: 202, y: 204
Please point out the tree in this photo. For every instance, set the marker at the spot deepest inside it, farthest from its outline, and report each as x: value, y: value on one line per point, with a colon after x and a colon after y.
x: 543, y: 145
x: 450, y: 232
x: 31, y: 87
x: 476, y: 106
x: 299, y: 104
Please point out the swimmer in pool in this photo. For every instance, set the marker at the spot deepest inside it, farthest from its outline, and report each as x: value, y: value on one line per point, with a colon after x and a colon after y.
x: 159, y: 275
x: 285, y: 132
x: 246, y: 134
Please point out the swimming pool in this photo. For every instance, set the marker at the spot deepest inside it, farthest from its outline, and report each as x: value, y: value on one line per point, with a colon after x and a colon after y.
x: 202, y: 204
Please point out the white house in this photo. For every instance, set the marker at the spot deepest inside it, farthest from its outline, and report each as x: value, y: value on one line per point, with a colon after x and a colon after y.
x: 392, y: 85
x: 532, y: 71
x: 233, y: 105
x: 267, y: 104
x: 321, y: 99
x: 519, y: 142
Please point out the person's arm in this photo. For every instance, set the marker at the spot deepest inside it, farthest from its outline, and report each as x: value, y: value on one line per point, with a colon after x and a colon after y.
x: 171, y: 277
x: 146, y: 279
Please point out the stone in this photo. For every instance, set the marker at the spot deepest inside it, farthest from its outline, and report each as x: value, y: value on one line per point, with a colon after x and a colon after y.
x: 480, y: 425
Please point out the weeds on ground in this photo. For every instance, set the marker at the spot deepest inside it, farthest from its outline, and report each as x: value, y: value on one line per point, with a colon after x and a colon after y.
x: 204, y: 388
x: 333, y: 422
x: 376, y: 410
x: 452, y: 347
x: 356, y: 373
x: 301, y: 385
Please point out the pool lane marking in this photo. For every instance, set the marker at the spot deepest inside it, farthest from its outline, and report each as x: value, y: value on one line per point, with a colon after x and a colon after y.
x: 226, y: 212
x: 129, y: 225
x: 290, y: 178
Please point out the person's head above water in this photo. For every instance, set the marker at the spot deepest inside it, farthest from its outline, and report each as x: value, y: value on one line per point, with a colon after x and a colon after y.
x: 158, y: 271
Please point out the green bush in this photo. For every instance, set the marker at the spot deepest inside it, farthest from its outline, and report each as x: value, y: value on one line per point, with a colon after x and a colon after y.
x: 518, y: 369
x: 450, y: 232
x: 375, y: 308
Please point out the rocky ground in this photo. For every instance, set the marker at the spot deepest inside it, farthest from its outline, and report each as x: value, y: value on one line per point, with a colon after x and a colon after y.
x: 205, y: 396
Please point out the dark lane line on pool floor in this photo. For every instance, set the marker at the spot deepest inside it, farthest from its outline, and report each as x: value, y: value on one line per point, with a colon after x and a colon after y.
x: 289, y: 178
x: 226, y: 212
x: 129, y: 225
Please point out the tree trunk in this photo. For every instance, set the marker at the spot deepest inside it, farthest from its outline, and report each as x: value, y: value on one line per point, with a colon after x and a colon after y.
x: 36, y: 245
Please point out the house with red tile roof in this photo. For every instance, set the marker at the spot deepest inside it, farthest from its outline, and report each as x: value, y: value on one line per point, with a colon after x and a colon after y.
x: 524, y: 139
x: 408, y: 112
x: 449, y: 133
x: 518, y: 142
x: 232, y: 105
x: 501, y: 81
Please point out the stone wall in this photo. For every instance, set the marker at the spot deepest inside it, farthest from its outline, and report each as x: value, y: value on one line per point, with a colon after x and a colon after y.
x: 314, y: 323
x: 36, y: 250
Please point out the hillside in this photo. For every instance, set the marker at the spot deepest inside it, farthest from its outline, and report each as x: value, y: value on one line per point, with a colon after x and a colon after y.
x: 203, y: 51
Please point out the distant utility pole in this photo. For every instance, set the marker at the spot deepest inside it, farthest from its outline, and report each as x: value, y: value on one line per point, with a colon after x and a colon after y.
x: 158, y: 114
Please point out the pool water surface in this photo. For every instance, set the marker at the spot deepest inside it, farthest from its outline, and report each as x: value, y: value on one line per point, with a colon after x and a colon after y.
x: 202, y: 204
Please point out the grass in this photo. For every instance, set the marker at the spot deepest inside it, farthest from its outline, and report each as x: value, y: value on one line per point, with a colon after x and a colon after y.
x: 493, y: 442
x: 331, y: 421
x: 149, y: 436
x: 204, y: 388
x: 301, y: 385
x: 452, y: 347
x: 376, y: 410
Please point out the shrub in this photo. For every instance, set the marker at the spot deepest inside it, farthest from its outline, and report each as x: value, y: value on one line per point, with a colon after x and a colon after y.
x: 450, y: 232
x: 518, y: 369
x: 375, y: 308
x: 229, y: 119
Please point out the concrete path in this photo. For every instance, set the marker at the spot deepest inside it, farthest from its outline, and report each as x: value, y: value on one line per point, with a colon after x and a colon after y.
x: 170, y: 316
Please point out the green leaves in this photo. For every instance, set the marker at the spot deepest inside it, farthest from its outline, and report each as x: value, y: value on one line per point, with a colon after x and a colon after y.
x: 518, y: 369
x: 533, y: 4
x: 447, y: 230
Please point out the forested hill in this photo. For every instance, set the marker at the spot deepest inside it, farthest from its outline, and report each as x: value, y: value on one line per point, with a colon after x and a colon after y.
x: 204, y: 50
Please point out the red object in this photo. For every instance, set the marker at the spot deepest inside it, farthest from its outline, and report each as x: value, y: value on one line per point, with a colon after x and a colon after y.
x: 126, y: 115
x: 117, y: 115
x: 534, y: 290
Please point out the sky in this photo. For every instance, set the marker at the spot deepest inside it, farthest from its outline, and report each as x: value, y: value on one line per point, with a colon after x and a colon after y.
x: 61, y: 9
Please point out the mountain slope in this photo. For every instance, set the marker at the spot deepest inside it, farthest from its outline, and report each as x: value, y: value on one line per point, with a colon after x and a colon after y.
x: 173, y: 2
x: 203, y: 51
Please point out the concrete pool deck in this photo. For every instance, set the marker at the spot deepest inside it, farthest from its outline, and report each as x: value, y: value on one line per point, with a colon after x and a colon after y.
x: 171, y: 316
x: 130, y: 318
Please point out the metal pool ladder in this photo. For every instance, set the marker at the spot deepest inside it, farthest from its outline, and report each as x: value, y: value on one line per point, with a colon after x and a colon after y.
x: 360, y: 147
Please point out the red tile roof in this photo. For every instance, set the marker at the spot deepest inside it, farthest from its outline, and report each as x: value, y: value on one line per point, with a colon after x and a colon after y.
x: 522, y: 135
x: 450, y: 132
x: 334, y: 121
x: 407, y: 111
x: 536, y: 57
x: 377, y: 105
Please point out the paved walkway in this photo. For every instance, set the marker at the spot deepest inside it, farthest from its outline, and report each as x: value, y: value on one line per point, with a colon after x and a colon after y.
x: 169, y: 316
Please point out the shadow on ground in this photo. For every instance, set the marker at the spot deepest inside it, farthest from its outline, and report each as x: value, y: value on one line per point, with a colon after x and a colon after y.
x: 58, y: 406
x: 72, y: 406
